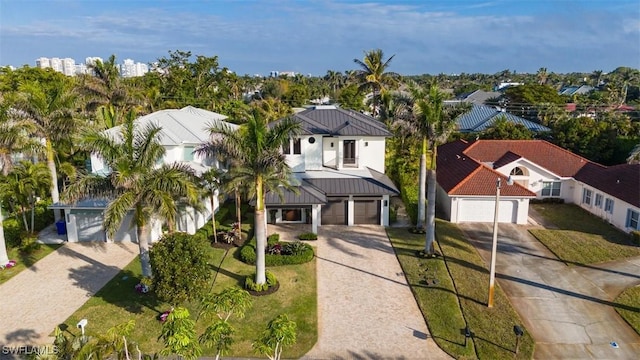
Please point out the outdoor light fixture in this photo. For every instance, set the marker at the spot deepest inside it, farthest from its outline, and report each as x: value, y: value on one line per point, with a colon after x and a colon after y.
x: 494, y: 244
x: 467, y: 335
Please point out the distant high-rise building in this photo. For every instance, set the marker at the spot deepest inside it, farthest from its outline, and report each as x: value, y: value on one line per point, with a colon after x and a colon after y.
x: 43, y: 63
x: 92, y: 60
x: 56, y: 64
x: 81, y: 69
x: 69, y: 66
x: 130, y: 68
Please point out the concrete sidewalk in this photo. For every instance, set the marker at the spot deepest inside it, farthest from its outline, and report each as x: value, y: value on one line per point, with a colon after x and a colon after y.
x: 568, y: 310
x: 43, y: 296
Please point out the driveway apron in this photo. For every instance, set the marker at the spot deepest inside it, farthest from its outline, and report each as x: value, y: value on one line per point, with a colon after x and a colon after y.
x: 568, y: 310
x: 366, y: 309
x: 39, y: 298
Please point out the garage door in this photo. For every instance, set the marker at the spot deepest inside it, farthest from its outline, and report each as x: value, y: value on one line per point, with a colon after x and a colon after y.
x: 366, y: 212
x: 472, y: 210
x: 334, y: 212
x: 89, y: 225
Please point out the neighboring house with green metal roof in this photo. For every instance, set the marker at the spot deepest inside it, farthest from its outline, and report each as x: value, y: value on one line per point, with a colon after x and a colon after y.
x: 338, y: 162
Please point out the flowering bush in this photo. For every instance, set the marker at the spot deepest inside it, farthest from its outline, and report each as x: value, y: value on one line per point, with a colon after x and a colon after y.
x: 163, y: 317
x: 8, y: 265
x: 142, y: 288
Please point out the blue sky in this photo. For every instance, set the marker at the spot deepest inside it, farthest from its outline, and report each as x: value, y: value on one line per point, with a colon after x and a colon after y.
x: 311, y: 37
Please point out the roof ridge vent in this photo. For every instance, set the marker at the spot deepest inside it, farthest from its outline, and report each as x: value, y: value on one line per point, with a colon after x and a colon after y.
x: 324, y: 107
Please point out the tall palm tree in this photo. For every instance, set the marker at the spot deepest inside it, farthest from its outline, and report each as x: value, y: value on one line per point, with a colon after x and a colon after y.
x: 258, y: 160
x: 15, y: 135
x: 373, y: 75
x: 4, y: 257
x: 211, y: 180
x: 435, y: 123
x: 136, y: 184
x: 52, y: 112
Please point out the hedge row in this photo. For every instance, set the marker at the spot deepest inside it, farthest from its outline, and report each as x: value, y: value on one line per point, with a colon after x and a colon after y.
x: 410, y: 192
x: 248, y: 255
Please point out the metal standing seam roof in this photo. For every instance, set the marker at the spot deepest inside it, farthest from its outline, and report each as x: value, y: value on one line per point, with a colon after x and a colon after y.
x: 307, y: 195
x: 336, y: 121
x: 185, y: 126
x: 482, y: 117
x: 352, y: 186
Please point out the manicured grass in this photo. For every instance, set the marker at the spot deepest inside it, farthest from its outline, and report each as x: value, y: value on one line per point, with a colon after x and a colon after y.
x: 582, y: 238
x: 24, y: 260
x: 461, y: 274
x: 117, y: 302
x: 630, y: 298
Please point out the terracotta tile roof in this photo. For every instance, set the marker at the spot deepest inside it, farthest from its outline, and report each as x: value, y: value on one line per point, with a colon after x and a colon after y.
x: 620, y: 181
x: 463, y: 170
x: 459, y: 174
x: 551, y: 157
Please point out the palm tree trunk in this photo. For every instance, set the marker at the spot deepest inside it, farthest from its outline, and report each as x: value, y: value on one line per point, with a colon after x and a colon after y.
x: 51, y: 163
x: 431, y: 205
x: 4, y: 257
x: 143, y: 244
x: 33, y: 215
x: 422, y: 185
x: 213, y: 219
x: 238, y: 209
x: 24, y: 218
x: 261, y: 233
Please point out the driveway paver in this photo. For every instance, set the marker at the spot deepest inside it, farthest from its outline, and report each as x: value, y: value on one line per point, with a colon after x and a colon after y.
x: 43, y: 296
x: 568, y: 309
x: 366, y: 309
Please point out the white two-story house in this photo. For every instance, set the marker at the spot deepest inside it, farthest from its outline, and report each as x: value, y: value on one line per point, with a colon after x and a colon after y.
x: 338, y: 163
x: 181, y: 132
x: 467, y: 174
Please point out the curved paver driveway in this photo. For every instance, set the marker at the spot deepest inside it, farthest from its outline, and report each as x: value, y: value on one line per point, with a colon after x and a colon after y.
x: 366, y: 309
x: 39, y: 298
x: 568, y: 310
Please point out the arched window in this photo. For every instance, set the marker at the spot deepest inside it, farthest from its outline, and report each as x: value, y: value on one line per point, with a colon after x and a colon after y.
x: 517, y: 171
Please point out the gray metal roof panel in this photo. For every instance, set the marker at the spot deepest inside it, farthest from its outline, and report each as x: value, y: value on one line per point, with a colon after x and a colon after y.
x: 330, y: 120
x: 352, y: 186
x: 482, y: 117
x: 306, y: 196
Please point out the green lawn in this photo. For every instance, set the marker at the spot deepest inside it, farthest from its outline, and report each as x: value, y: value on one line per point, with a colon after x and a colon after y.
x: 118, y: 302
x: 582, y: 238
x: 630, y: 298
x: 459, y: 297
x: 24, y: 260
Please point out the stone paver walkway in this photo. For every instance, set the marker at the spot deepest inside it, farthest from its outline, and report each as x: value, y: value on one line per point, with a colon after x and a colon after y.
x: 43, y: 296
x: 366, y: 309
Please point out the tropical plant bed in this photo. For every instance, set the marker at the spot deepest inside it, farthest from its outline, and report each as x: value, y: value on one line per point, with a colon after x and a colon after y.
x: 277, y: 253
x: 451, y: 291
x: 117, y: 303
x: 269, y: 291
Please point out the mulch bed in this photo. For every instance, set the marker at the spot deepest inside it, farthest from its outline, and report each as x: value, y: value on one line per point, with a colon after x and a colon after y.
x: 269, y: 291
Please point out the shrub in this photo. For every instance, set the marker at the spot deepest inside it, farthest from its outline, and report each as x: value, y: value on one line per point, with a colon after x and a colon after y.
x: 409, y: 191
x: 250, y: 284
x: 635, y: 237
x: 275, y: 249
x: 294, y: 248
x: 12, y: 232
x: 308, y: 236
x: 248, y: 255
x: 29, y: 243
x: 273, y: 239
x: 180, y: 268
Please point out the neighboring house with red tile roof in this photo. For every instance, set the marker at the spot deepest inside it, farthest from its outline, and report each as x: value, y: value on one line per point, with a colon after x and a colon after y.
x: 468, y: 173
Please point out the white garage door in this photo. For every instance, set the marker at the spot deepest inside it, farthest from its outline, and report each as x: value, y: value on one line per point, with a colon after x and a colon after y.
x: 479, y: 210
x: 89, y: 224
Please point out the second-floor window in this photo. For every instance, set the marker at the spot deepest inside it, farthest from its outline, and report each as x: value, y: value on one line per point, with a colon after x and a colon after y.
x: 586, y: 196
x: 297, y: 148
x: 188, y: 153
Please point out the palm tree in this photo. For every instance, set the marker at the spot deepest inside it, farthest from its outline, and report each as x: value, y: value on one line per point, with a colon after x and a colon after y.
x: 136, y: 184
x: 211, y: 180
x: 25, y: 183
x: 258, y: 160
x: 373, y: 75
x: 542, y: 76
x: 52, y: 112
x: 15, y: 135
x: 4, y: 257
x: 435, y: 123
